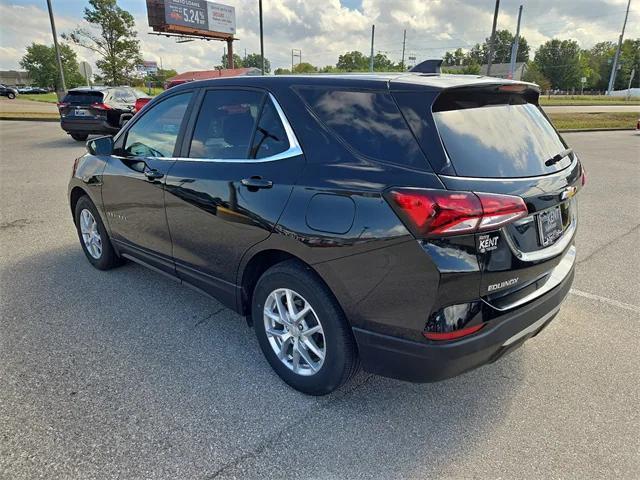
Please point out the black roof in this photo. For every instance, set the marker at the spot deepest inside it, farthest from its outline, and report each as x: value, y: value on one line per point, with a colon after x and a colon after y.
x: 407, y: 80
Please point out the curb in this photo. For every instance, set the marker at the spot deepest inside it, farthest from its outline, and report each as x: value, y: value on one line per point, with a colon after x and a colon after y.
x: 30, y: 119
x: 614, y: 129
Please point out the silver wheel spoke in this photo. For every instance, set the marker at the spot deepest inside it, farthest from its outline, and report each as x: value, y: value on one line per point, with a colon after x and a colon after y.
x: 296, y: 355
x: 311, y: 345
x: 312, y: 330
x: 291, y: 308
x: 305, y: 355
x: 90, y: 234
x: 301, y: 314
x: 287, y: 316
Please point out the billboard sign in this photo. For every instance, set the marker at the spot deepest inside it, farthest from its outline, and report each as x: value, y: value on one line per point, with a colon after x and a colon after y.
x: 200, y: 15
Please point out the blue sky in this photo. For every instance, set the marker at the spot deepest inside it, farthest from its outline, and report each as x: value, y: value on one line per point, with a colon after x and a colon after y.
x: 325, y: 29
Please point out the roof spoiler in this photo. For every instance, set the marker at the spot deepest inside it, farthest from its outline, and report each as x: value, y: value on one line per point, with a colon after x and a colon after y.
x: 428, y: 66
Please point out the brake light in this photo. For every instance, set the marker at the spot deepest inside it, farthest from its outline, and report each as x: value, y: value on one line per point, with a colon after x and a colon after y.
x: 62, y: 104
x: 429, y: 213
x: 463, y: 332
x: 100, y: 106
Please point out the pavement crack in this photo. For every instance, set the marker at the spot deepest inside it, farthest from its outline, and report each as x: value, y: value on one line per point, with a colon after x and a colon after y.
x: 607, y: 245
x: 209, y: 317
x: 271, y: 440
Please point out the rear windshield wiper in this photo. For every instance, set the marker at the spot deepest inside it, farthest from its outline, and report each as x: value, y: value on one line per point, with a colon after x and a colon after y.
x: 558, y: 157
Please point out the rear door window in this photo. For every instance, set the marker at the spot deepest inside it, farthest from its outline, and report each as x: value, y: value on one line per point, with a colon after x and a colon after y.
x: 367, y: 121
x: 226, y: 124
x: 489, y: 134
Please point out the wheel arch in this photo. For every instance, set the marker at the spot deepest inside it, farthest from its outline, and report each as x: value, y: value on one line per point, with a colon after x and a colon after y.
x: 259, y: 263
x: 75, y: 195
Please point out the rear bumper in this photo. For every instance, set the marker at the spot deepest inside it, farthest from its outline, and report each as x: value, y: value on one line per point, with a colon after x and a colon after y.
x: 88, y: 126
x: 430, y: 362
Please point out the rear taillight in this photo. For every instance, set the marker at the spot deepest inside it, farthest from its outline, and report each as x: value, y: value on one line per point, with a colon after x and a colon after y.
x: 444, y: 336
x: 429, y: 213
x: 583, y: 177
x: 100, y: 106
x: 62, y: 104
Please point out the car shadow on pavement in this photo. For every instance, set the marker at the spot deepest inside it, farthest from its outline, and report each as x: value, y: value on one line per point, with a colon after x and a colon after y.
x: 125, y: 371
x: 64, y: 141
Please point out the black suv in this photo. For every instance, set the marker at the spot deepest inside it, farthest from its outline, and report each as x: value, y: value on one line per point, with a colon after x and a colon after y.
x: 419, y: 225
x: 96, y: 110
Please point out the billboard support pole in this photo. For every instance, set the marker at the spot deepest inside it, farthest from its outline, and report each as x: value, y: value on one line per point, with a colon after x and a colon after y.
x: 230, y: 53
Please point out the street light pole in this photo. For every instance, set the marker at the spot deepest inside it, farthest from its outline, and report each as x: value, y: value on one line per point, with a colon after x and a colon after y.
x: 514, y: 49
x: 57, y: 48
x: 261, y: 39
x: 493, y: 38
x: 612, y: 78
x: 373, y: 31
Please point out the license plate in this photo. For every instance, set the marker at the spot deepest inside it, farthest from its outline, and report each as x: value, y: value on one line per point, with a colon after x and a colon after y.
x: 550, y: 225
x: 81, y: 112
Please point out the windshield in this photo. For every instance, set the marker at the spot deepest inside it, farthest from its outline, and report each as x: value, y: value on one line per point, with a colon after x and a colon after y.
x: 500, y: 140
x: 83, y: 98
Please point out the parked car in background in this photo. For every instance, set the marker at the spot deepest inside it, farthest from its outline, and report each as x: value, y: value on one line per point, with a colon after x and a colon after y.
x: 32, y: 90
x: 96, y: 110
x: 418, y: 225
x: 8, y: 92
x: 141, y: 102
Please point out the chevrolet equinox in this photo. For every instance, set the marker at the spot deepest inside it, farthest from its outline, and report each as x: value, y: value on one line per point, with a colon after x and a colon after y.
x: 416, y: 225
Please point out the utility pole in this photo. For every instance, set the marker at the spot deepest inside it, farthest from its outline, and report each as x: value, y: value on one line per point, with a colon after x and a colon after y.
x: 516, y: 44
x: 404, y: 42
x: 614, y: 72
x: 295, y: 52
x: 55, y: 44
x: 261, y: 39
x: 373, y: 31
x: 492, y: 41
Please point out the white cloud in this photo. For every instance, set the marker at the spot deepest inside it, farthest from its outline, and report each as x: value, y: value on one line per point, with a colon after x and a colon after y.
x: 323, y: 30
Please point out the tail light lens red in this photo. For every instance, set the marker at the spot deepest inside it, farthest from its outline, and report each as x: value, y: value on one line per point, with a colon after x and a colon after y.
x: 100, y: 106
x: 429, y: 213
x: 444, y: 336
x: 62, y: 104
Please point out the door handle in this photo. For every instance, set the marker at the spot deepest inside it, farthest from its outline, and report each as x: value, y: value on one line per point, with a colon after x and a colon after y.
x: 255, y: 183
x: 153, y: 174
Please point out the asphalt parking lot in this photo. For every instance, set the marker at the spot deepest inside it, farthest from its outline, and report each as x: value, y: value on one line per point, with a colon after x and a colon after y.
x: 124, y: 374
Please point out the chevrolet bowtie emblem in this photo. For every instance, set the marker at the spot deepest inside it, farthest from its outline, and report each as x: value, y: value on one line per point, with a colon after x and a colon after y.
x: 568, y: 193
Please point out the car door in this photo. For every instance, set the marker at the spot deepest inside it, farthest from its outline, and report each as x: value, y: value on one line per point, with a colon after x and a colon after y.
x: 227, y: 191
x: 133, y: 181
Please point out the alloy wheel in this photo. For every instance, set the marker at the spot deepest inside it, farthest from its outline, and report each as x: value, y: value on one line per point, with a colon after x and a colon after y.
x: 90, y: 234
x: 294, y: 331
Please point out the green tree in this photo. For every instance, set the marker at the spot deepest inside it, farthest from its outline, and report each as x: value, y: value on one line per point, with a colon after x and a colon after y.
x: 534, y: 75
x: 282, y: 71
x: 457, y: 57
x: 353, y: 62
x: 504, y: 43
x: 255, y: 60
x: 600, y: 58
x: 559, y: 61
x: 479, y: 52
x: 41, y: 63
x: 629, y: 60
x: 112, y: 36
x: 237, y: 61
x: 304, y: 67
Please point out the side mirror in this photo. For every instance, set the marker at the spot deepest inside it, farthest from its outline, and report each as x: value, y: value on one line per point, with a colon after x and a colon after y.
x: 100, y: 145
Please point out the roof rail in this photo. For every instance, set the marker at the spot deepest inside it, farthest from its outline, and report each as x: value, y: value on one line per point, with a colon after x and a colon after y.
x: 428, y: 66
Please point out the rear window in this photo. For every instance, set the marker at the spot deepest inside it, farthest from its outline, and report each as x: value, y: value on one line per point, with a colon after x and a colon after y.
x: 492, y: 134
x: 367, y: 121
x: 83, y: 98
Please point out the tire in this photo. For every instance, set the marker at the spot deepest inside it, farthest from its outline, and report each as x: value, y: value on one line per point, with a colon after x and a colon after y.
x: 334, y: 340
x: 11, y: 95
x: 95, y: 244
x: 80, y: 137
